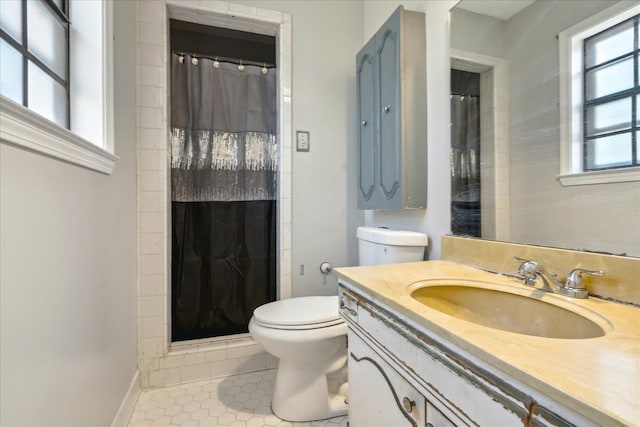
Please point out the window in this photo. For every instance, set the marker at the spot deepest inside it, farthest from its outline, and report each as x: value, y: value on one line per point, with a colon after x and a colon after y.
x: 34, y: 54
x: 599, y: 98
x: 610, y: 80
x: 56, y: 79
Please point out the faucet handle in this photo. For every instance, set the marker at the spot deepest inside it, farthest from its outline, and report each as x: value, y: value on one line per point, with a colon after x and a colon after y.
x: 574, y: 287
x: 530, y: 266
x: 528, y: 270
x: 574, y: 280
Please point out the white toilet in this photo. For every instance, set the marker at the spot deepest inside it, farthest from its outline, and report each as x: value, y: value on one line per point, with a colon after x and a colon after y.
x: 309, y: 337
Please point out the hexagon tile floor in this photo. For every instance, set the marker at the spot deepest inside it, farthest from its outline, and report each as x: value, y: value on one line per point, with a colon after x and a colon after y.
x: 236, y: 401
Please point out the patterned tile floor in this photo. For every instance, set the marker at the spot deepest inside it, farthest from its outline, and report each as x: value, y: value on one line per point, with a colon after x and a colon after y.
x: 236, y: 401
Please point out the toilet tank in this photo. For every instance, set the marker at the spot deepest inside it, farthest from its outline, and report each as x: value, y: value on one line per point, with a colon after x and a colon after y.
x: 384, y: 246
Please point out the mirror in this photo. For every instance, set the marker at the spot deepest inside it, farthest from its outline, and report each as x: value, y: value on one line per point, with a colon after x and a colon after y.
x: 513, y: 47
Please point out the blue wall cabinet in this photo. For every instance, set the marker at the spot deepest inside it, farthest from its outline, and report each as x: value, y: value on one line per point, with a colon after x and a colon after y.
x: 392, y: 115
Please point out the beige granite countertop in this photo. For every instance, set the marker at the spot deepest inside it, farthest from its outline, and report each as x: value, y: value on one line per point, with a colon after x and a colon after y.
x: 597, y: 377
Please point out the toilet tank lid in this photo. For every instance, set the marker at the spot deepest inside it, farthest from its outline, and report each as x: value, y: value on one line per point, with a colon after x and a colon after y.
x: 392, y: 237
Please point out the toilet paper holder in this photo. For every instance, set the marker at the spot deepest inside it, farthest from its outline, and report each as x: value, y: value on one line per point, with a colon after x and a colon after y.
x: 325, y: 268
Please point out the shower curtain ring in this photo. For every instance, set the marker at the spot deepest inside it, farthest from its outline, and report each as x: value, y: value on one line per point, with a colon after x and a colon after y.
x: 216, y: 64
x: 265, y: 70
x: 241, y: 67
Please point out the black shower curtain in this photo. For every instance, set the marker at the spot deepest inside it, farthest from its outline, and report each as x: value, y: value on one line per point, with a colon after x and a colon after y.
x: 223, y: 265
x: 224, y: 162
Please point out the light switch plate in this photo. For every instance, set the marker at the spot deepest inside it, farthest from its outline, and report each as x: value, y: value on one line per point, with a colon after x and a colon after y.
x: 302, y: 140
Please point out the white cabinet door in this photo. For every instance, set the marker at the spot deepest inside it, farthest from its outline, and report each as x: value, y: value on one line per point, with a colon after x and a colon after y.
x: 378, y: 395
x: 435, y: 418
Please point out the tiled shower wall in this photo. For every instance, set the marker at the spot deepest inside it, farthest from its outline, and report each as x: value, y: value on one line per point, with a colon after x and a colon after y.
x: 160, y: 363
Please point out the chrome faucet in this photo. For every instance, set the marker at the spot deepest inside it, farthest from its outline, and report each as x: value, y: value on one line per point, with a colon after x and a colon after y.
x: 574, y: 287
x: 531, y: 271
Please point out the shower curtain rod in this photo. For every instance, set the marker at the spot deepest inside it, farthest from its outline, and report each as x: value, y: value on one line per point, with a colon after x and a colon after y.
x: 227, y: 59
x: 465, y: 94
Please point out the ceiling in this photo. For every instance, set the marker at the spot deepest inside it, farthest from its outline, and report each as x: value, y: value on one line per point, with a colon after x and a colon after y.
x: 501, y: 9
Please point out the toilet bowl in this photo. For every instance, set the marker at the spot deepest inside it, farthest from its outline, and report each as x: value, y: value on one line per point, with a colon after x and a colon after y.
x: 308, y: 336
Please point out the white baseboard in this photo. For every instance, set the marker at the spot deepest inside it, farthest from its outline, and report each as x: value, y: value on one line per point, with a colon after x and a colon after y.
x: 128, y: 404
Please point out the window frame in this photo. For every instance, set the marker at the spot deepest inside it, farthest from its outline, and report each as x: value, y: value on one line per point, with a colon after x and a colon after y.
x: 60, y: 15
x: 24, y: 128
x: 572, y: 108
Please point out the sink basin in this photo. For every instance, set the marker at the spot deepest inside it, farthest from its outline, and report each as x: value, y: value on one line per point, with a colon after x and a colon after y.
x: 507, y: 311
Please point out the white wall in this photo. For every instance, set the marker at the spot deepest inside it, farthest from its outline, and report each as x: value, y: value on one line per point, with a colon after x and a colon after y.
x: 480, y: 34
x: 326, y: 36
x: 68, y: 273
x: 435, y: 221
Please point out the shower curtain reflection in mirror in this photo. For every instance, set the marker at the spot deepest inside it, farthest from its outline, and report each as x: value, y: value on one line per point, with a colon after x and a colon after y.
x: 465, y: 165
x: 224, y: 164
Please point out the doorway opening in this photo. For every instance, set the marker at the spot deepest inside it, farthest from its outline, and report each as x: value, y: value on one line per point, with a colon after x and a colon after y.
x: 494, y: 136
x: 466, y: 212
x: 224, y: 169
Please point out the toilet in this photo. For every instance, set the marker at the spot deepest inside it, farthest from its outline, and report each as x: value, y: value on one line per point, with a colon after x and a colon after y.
x: 308, y: 336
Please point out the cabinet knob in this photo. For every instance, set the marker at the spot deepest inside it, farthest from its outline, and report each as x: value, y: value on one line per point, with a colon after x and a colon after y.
x: 364, y: 123
x: 387, y: 108
x: 408, y: 404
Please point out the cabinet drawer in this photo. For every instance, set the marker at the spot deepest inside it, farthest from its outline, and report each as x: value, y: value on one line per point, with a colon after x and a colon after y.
x: 348, y: 305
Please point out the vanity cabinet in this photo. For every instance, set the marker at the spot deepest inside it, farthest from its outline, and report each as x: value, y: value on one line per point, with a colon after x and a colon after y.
x: 381, y: 397
x: 401, y: 376
x: 392, y: 115
x: 395, y: 401
x: 383, y: 390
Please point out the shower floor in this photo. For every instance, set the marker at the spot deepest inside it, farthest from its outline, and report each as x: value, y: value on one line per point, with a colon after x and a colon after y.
x: 235, y: 401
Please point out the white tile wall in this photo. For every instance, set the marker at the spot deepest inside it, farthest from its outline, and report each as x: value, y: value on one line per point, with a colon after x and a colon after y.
x: 158, y: 364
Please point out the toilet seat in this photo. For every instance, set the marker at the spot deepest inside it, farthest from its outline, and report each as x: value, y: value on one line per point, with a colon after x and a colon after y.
x: 299, y: 313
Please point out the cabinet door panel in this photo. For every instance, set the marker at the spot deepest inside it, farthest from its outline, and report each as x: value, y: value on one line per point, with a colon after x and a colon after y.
x: 365, y: 81
x: 388, y: 55
x: 435, y: 418
x: 378, y: 395
x: 392, y: 124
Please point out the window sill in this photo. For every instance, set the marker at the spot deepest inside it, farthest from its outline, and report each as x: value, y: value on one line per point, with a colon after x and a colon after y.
x: 600, y: 177
x: 22, y: 127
